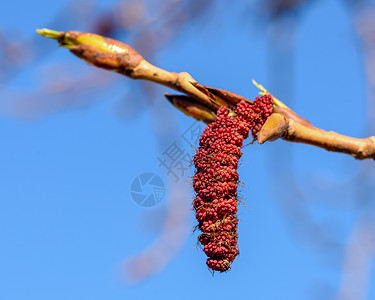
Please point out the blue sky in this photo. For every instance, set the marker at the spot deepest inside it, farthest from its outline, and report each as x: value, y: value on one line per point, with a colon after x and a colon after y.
x: 67, y: 220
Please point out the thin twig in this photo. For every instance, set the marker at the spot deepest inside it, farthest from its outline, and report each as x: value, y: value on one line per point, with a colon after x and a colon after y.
x: 116, y: 56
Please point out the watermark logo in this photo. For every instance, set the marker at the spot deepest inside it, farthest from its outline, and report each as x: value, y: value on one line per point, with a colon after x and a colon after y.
x: 147, y: 189
x: 176, y: 159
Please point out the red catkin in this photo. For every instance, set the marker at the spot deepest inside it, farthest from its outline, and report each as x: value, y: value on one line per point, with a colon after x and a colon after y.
x: 216, y: 179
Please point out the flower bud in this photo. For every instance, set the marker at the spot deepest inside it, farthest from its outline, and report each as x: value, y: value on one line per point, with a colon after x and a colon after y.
x: 100, y: 51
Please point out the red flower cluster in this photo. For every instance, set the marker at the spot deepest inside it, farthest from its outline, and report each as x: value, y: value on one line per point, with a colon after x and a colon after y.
x: 215, y: 181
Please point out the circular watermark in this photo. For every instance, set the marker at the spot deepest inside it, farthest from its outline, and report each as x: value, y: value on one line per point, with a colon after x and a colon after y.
x: 147, y: 189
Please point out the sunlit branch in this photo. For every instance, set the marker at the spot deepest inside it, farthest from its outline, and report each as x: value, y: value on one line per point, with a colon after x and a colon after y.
x: 202, y: 102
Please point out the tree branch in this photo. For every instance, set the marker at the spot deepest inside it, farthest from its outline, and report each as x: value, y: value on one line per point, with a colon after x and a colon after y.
x: 331, y: 141
x: 289, y: 126
x: 202, y: 102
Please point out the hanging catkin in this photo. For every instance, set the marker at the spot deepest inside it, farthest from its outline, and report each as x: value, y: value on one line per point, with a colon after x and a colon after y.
x: 216, y: 179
